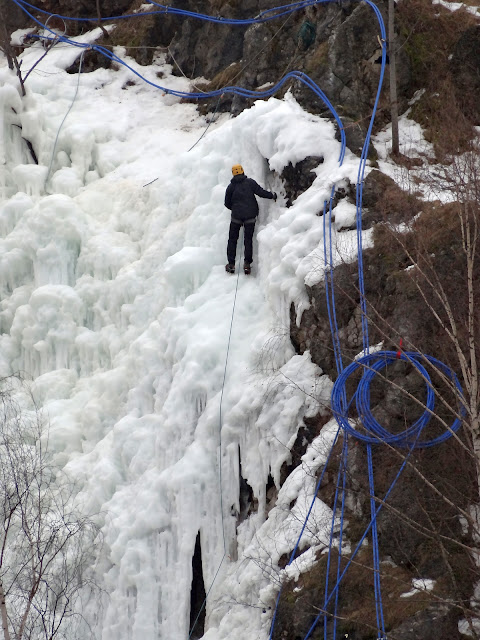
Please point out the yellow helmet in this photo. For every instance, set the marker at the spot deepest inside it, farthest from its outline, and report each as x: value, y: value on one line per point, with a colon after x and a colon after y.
x: 237, y: 169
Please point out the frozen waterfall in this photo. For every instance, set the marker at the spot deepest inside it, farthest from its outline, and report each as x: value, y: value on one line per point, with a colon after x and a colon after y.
x: 115, y: 303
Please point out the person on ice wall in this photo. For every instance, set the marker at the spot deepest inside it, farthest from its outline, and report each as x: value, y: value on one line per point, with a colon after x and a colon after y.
x: 240, y: 199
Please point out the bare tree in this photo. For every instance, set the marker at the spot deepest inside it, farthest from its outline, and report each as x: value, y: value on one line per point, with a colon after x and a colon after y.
x: 5, y: 44
x: 5, y: 36
x: 448, y: 282
x: 45, y: 542
x: 439, y: 272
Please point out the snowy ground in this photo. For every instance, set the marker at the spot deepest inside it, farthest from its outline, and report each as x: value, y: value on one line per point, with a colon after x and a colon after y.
x: 115, y: 302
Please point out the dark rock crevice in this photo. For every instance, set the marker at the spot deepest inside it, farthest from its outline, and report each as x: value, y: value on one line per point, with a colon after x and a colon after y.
x: 299, y: 178
x: 197, y: 594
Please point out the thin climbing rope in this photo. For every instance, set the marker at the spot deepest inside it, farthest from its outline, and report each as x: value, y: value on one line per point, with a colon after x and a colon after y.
x: 208, y: 126
x: 220, y: 440
x: 225, y: 375
x: 64, y: 118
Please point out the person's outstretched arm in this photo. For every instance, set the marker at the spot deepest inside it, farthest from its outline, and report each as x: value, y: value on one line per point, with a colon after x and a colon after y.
x: 262, y: 193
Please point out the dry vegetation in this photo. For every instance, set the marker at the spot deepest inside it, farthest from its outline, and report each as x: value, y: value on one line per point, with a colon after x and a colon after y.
x: 422, y: 286
x: 356, y: 604
x: 429, y: 33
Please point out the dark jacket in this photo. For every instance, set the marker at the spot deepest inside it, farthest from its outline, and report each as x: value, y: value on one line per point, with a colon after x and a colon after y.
x: 240, y: 197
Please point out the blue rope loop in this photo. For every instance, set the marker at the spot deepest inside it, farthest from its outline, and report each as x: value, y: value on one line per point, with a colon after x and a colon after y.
x: 370, y: 365
x: 296, y: 76
x: 264, y: 16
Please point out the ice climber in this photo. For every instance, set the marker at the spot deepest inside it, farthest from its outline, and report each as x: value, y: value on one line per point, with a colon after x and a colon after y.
x: 240, y: 199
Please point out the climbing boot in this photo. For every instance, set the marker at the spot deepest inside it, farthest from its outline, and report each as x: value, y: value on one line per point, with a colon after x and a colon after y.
x: 230, y: 268
x: 247, y: 268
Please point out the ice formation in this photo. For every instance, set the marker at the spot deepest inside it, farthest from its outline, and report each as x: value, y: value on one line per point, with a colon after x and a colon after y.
x: 115, y: 302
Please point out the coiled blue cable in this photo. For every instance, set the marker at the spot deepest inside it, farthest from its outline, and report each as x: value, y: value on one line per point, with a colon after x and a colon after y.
x: 370, y: 365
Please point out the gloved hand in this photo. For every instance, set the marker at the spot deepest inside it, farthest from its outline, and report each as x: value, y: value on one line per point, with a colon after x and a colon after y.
x: 274, y: 196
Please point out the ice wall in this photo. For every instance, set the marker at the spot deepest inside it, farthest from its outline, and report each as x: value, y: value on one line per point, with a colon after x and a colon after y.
x: 13, y: 152
x: 114, y: 300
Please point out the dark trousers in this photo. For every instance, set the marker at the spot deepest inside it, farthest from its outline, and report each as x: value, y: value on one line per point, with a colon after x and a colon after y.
x: 248, y: 230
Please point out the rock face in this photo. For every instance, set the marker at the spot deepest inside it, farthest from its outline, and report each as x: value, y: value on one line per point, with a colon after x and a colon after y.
x: 299, y: 178
x: 419, y: 530
x: 86, y: 8
x: 14, y: 17
x: 199, y: 48
x: 438, y: 621
x: 335, y: 44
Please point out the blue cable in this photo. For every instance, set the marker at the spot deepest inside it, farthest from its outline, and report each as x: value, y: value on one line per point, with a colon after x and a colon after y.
x: 341, y: 476
x: 376, y: 552
x: 340, y: 406
x: 330, y: 551
x: 359, y: 544
x: 235, y: 90
x: 343, y: 462
x: 263, y: 16
x: 331, y: 309
x: 360, y: 179
x: 292, y: 555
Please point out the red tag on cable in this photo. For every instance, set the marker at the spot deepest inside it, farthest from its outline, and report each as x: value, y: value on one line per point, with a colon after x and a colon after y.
x: 399, y: 352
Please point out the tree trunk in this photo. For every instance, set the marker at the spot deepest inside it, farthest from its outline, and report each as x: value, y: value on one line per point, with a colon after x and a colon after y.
x: 393, y: 78
x: 5, y: 36
x: 6, y: 46
x: 3, y: 612
x: 99, y: 19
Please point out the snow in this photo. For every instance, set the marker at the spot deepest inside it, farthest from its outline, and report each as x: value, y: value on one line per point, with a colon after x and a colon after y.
x: 18, y: 36
x: 426, y: 179
x: 419, y: 585
x: 160, y: 375
x: 455, y: 6
x: 144, y: 8
x: 413, y: 143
